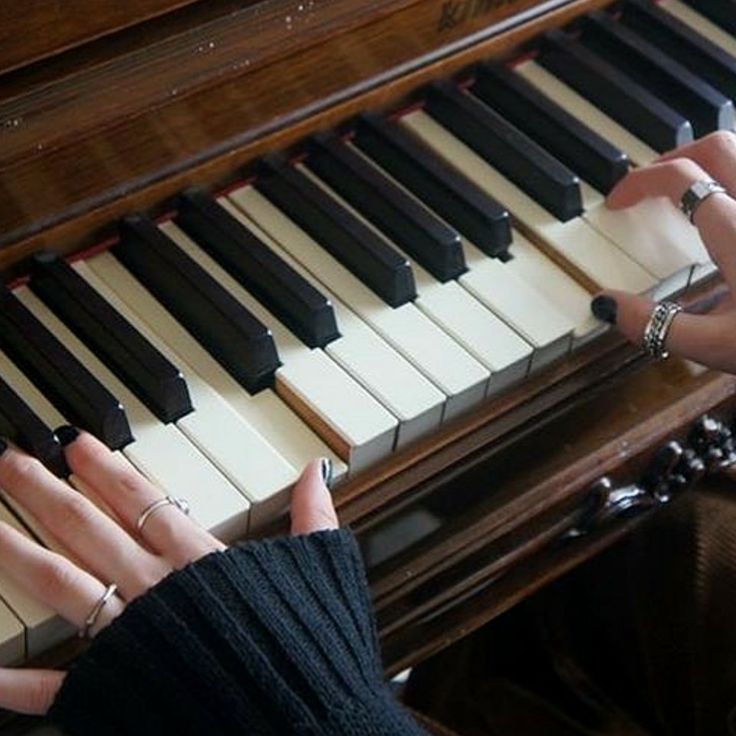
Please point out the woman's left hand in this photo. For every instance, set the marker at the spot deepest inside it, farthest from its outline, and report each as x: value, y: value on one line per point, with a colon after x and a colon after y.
x: 101, y: 545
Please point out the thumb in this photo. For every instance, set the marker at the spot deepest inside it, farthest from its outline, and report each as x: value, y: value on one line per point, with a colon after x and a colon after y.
x: 311, y: 503
x: 706, y: 339
x: 29, y: 691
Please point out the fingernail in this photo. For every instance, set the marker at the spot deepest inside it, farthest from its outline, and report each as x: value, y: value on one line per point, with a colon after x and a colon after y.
x: 3, y: 445
x: 605, y: 308
x: 326, y: 468
x: 66, y: 434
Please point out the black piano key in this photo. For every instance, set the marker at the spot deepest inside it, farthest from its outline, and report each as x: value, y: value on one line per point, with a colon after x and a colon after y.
x: 53, y: 369
x: 371, y: 259
x: 703, y: 105
x: 139, y: 365
x: 229, y: 332
x: 22, y: 425
x: 592, y: 157
x: 286, y: 294
x: 681, y: 42
x: 721, y: 12
x: 435, y: 245
x: 616, y: 94
x: 506, y: 148
x: 477, y: 216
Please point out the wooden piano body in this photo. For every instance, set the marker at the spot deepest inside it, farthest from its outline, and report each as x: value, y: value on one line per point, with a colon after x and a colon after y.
x: 105, y: 112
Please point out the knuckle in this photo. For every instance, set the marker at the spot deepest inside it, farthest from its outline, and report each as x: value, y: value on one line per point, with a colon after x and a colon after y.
x: 56, y: 578
x: 685, y: 168
x: 150, y: 572
x: 322, y: 518
x: 131, y: 483
x: 41, y: 694
x: 22, y: 471
x: 76, y: 513
x: 721, y: 141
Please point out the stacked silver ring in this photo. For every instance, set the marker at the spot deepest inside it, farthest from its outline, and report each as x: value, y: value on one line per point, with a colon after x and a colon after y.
x: 658, y: 327
x: 697, y: 193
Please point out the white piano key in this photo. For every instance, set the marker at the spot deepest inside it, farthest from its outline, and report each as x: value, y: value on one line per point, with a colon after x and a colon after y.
x: 585, y: 248
x: 562, y: 293
x: 309, y: 380
x: 568, y: 99
x: 364, y: 431
x: 256, y: 469
x: 36, y: 401
x: 530, y: 264
x: 405, y: 392
x: 51, y: 416
x: 265, y: 411
x: 358, y: 428
x: 470, y: 322
x: 654, y: 232
x: 44, y: 628
x: 12, y: 638
x: 46, y: 412
x: 165, y: 456
x: 701, y: 24
x: 460, y: 376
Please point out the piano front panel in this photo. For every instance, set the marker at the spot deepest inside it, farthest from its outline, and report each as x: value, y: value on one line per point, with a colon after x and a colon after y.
x: 473, y: 509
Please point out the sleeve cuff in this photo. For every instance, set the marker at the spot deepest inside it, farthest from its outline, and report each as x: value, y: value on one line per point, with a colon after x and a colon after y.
x: 270, y: 637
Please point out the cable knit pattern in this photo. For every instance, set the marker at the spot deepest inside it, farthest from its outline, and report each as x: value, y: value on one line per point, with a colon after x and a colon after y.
x: 265, y: 639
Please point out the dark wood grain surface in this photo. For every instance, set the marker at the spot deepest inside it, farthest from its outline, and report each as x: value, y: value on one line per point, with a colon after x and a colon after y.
x: 130, y: 133
x: 41, y: 28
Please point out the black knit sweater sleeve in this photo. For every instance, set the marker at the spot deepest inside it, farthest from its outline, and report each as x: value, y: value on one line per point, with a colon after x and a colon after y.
x: 268, y: 638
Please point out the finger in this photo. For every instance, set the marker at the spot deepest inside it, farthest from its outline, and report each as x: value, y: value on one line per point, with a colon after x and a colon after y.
x: 168, y: 531
x: 715, y: 217
x: 667, y: 179
x: 312, y: 509
x: 55, y: 581
x: 715, y: 153
x: 29, y: 691
x: 94, y: 539
x: 705, y: 339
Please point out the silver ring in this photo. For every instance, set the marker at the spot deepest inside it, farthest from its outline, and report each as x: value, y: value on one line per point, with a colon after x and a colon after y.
x: 655, y: 333
x: 145, y: 515
x: 697, y: 193
x: 90, y: 621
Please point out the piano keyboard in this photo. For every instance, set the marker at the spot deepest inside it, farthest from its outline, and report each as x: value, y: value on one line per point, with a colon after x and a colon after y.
x: 351, y: 303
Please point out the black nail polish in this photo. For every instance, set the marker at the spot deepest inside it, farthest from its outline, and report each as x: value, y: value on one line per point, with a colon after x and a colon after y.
x: 605, y: 308
x: 326, y: 467
x: 66, y: 434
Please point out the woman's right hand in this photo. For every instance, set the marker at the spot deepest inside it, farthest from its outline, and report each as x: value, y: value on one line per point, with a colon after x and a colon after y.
x: 709, y: 338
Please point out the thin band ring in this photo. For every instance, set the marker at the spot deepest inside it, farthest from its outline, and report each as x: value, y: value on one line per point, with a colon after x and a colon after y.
x: 658, y: 327
x: 145, y: 515
x: 94, y: 614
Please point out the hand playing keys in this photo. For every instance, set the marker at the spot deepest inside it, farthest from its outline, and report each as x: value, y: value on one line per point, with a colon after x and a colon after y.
x: 693, y: 175
x: 119, y: 539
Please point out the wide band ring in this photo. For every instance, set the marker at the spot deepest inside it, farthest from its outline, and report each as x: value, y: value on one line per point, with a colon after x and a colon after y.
x: 145, y: 515
x: 697, y: 193
x: 658, y: 327
x: 94, y: 614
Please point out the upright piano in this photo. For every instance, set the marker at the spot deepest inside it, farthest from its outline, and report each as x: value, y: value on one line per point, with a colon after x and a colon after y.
x: 371, y: 231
